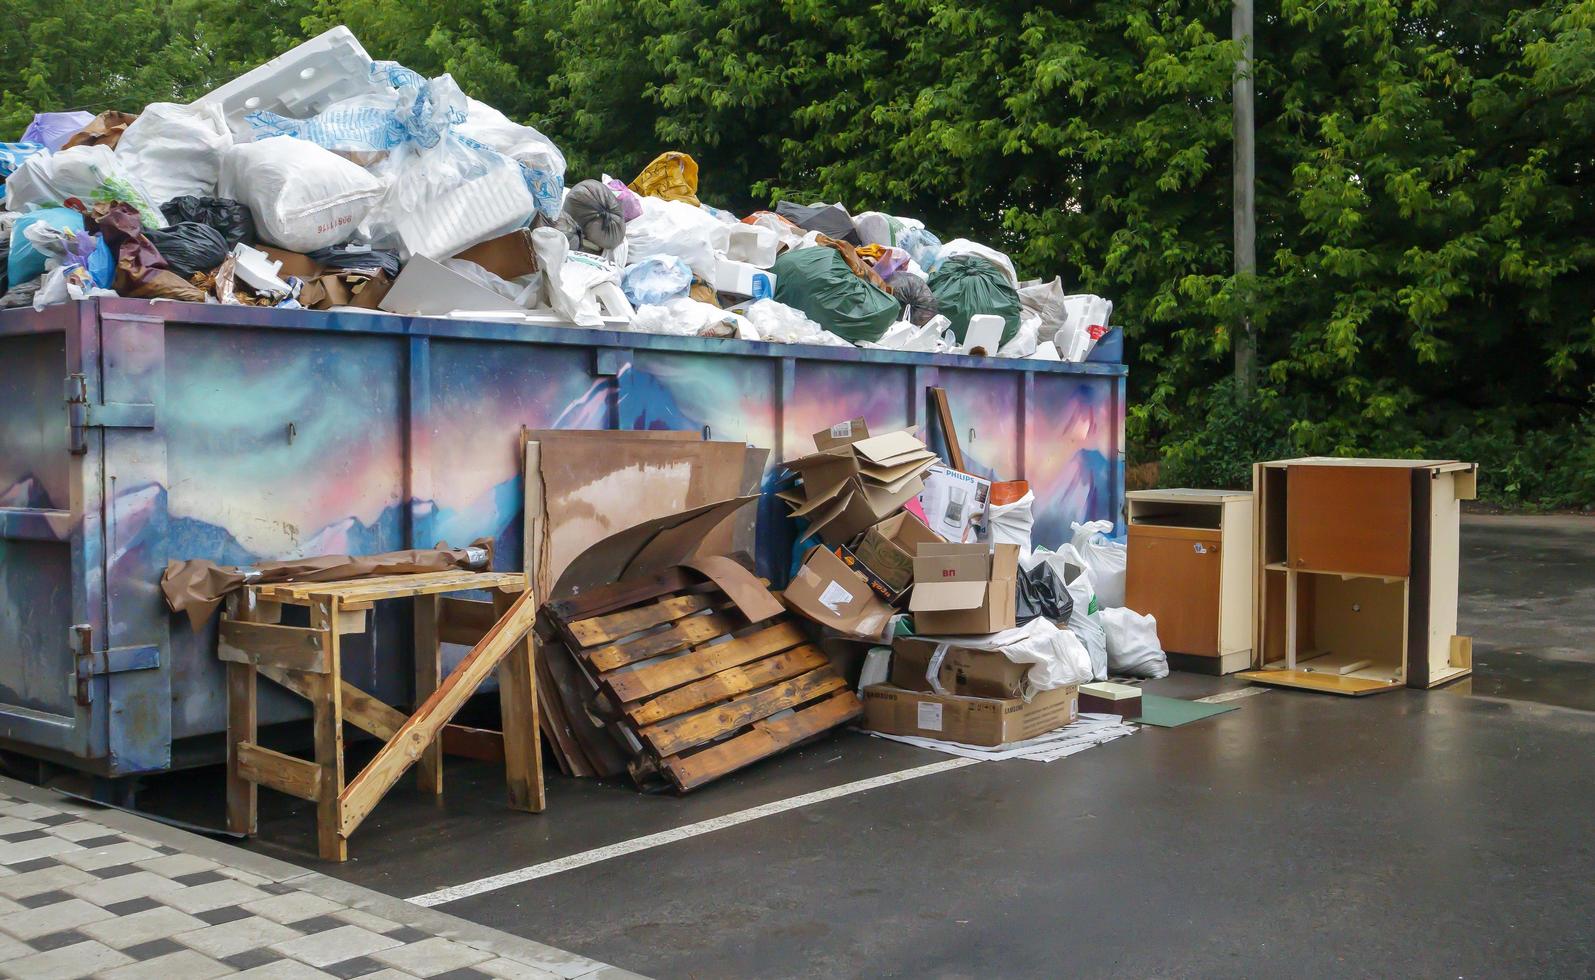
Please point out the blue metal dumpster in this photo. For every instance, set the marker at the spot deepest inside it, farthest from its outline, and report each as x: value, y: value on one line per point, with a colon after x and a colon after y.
x: 134, y: 432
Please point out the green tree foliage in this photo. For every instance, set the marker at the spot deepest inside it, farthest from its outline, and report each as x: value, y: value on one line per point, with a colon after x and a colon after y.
x: 1424, y: 168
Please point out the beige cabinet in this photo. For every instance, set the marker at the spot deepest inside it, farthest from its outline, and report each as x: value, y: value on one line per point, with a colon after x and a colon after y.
x: 1356, y: 573
x: 1189, y: 566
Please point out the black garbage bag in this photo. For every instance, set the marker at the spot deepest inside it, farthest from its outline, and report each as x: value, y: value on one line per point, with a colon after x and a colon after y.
x: 830, y: 220
x: 565, y: 225
x: 1043, y: 593
x: 355, y: 256
x: 915, y: 295
x: 224, y: 214
x: 968, y: 284
x: 598, y: 215
x: 189, y: 247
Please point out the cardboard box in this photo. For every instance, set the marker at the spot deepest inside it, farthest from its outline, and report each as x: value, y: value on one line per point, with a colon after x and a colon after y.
x: 743, y: 279
x: 826, y: 591
x: 857, y: 480
x: 507, y: 256
x: 330, y: 289
x: 887, y: 551
x: 964, y: 589
x: 953, y: 502
x: 293, y: 263
x: 964, y: 672
x: 972, y: 721
x: 841, y: 434
x: 1108, y: 698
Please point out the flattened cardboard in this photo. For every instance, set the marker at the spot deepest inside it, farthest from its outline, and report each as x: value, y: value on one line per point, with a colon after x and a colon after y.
x: 863, y: 508
x: 887, y: 550
x: 841, y: 434
x: 826, y: 591
x: 964, y: 672
x: 293, y: 263
x: 884, y: 449
x: 971, y: 721
x: 429, y: 288
x: 507, y: 256
x: 963, y: 590
x: 746, y: 592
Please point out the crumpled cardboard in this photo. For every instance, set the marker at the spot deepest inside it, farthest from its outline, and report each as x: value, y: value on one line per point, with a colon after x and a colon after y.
x: 857, y: 480
x: 826, y: 591
x: 106, y: 130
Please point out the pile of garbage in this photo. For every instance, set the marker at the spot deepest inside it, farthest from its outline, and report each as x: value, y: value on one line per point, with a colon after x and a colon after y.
x: 327, y: 180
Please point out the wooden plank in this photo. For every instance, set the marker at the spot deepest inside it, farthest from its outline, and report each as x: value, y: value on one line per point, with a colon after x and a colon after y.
x: 421, y: 728
x: 289, y: 647
x: 352, y: 621
x: 428, y: 673
x: 766, y: 738
x: 944, y: 415
x: 684, y: 731
x: 465, y: 582
x: 283, y: 773
x: 1327, y: 683
x: 359, y: 708
x: 1355, y: 520
x: 326, y: 704
x: 393, y: 586
x: 241, y: 727
x: 556, y: 725
x: 611, y: 627
x: 649, y: 679
x: 522, y: 744
x: 678, y: 636
x: 481, y: 744
x: 463, y: 621
x: 726, y: 684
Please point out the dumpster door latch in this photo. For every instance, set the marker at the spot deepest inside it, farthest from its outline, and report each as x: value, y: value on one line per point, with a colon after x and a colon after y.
x: 88, y: 663
x: 81, y: 415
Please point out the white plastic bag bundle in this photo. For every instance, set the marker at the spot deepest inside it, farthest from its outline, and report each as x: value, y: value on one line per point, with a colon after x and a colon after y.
x: 1056, y: 656
x: 90, y: 173
x: 582, y: 288
x: 1025, y: 342
x: 689, y: 318
x: 877, y: 228
x: 302, y: 196
x: 782, y: 324
x: 1133, y: 647
x: 1011, y: 523
x: 1103, y: 557
x: 541, y: 162
x: 655, y: 280
x: 963, y: 246
x: 678, y: 229
x: 785, y: 236
x: 1084, y: 613
x: 176, y: 150
x: 1045, y: 301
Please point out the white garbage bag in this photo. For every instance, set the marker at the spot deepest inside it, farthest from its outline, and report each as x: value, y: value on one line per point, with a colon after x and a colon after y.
x: 1011, y: 523
x: 678, y: 229
x: 1045, y: 300
x: 1056, y: 655
x: 963, y: 246
x: 1103, y: 557
x: 1133, y: 647
x: 582, y: 288
x: 686, y: 317
x: 542, y: 164
x: 92, y: 174
x: 302, y: 196
x: 1025, y: 342
x: 1084, y: 615
x: 176, y: 150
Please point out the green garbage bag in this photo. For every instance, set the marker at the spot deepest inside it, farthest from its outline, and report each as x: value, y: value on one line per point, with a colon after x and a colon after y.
x: 817, y: 281
x: 967, y: 285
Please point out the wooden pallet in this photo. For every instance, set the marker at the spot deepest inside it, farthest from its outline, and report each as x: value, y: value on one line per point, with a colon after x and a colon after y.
x: 691, y: 687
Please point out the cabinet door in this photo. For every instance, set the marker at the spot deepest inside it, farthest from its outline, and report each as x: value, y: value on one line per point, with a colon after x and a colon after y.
x: 1356, y: 520
x: 1172, y: 574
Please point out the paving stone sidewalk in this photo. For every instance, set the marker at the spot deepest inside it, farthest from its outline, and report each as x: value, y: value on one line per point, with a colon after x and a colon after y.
x: 91, y: 892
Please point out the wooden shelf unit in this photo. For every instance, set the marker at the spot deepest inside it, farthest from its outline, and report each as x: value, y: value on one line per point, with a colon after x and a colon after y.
x: 1356, y: 573
x: 1189, y: 565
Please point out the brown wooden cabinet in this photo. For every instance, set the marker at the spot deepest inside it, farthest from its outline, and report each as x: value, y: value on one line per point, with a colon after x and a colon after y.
x: 1356, y: 573
x: 1188, y: 565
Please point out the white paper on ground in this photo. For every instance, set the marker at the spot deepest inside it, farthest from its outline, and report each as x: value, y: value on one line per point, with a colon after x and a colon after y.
x: 1090, y: 730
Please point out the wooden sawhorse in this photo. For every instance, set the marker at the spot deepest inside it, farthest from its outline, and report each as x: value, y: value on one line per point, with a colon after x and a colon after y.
x: 305, y: 660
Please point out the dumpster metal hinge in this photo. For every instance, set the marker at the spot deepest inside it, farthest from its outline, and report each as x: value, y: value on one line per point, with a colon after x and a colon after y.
x: 88, y: 663
x: 82, y: 416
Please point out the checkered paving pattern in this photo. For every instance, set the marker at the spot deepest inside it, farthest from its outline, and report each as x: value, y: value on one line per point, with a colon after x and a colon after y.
x: 79, y: 899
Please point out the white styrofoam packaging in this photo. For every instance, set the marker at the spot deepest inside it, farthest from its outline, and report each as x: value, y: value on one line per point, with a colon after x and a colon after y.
x: 494, y: 204
x: 984, y: 333
x: 754, y: 245
x: 743, y: 279
x: 299, y: 82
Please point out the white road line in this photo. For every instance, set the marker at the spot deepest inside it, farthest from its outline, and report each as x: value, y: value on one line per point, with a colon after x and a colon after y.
x: 454, y: 893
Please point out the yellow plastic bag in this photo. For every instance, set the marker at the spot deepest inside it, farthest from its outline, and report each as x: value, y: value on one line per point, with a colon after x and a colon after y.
x: 672, y: 176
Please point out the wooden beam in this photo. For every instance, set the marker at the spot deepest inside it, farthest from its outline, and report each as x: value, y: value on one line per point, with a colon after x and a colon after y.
x: 421, y: 728
x: 517, y: 697
x: 283, y: 773
x: 326, y: 704
x: 463, y: 620
x: 428, y: 673
x: 359, y: 708
x: 290, y: 647
x: 944, y: 415
x: 241, y: 796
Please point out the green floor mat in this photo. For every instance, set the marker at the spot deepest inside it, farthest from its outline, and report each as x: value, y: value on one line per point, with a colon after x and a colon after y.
x: 1172, y: 712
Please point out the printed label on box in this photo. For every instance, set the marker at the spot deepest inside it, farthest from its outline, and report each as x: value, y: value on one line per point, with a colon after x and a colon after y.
x: 930, y: 716
x: 842, y: 430
x: 835, y: 597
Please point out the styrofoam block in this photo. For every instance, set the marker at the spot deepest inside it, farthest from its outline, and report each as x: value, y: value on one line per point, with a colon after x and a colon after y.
x: 299, y: 82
